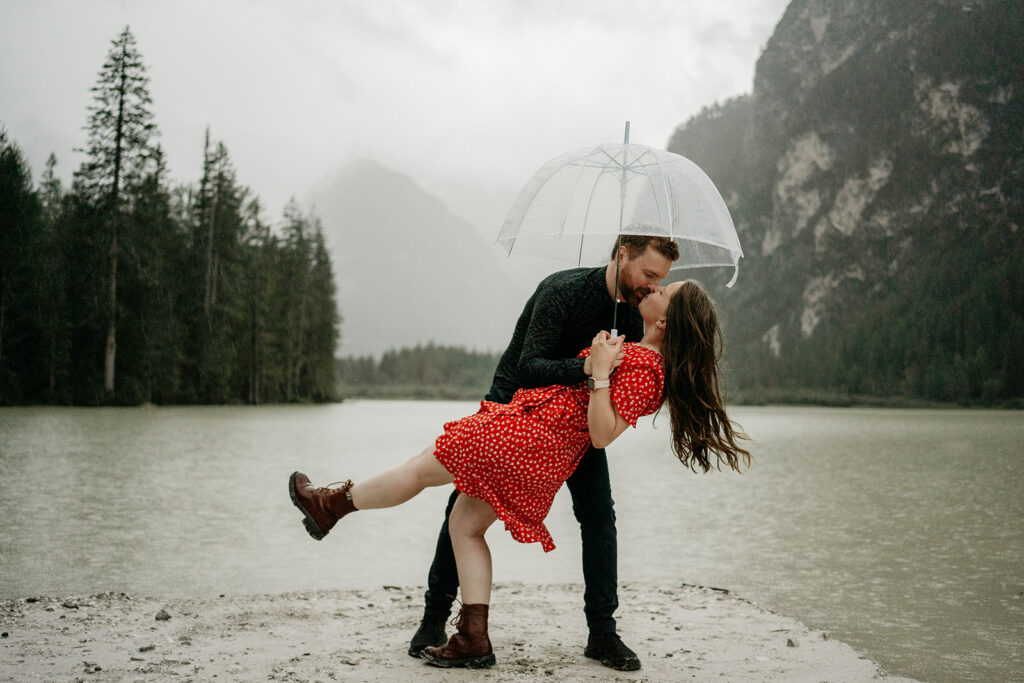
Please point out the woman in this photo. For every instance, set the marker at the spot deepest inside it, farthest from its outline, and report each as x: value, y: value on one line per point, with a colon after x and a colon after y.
x: 508, y: 461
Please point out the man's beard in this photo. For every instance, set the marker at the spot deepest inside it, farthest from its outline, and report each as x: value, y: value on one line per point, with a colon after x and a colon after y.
x: 630, y: 295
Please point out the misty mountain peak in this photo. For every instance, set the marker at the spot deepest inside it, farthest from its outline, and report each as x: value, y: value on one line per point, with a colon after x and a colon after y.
x: 408, y: 270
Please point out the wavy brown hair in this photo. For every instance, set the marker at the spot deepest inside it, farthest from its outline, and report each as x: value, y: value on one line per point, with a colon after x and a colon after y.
x: 691, y: 351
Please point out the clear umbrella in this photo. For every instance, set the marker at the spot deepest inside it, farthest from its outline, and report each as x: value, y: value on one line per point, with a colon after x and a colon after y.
x: 574, y: 208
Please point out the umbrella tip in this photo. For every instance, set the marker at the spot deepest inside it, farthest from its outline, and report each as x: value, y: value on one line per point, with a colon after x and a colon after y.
x: 625, y: 138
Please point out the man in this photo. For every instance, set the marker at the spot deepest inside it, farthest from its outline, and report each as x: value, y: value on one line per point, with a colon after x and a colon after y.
x: 560, y: 319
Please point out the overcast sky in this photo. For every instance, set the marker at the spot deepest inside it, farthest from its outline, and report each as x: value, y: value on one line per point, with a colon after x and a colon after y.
x: 468, y: 97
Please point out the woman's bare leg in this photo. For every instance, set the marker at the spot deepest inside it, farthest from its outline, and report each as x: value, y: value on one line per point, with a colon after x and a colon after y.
x: 401, y: 483
x: 467, y: 524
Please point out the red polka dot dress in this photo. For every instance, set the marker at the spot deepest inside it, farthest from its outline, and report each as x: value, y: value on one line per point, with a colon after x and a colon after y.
x: 516, y: 456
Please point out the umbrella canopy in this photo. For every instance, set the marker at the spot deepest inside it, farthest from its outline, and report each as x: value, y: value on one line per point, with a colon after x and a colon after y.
x: 573, y: 208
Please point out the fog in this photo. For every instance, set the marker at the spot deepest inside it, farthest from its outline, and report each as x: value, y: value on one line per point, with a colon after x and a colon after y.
x: 468, y: 98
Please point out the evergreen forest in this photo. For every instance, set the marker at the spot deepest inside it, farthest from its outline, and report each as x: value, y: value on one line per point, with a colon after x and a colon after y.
x: 426, y: 372
x: 129, y: 288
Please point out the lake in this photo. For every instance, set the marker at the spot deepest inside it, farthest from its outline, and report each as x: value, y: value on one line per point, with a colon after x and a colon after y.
x: 899, y: 531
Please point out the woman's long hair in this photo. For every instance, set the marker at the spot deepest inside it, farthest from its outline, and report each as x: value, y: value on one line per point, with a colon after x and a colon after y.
x: 691, y: 351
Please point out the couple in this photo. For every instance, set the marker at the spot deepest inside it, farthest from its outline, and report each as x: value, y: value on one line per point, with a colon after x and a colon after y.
x: 552, y: 408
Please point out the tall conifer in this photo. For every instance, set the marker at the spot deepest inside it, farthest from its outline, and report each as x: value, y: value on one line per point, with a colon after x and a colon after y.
x: 120, y: 128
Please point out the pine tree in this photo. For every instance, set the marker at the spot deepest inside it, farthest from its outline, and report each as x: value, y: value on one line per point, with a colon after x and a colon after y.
x: 120, y: 127
x: 324, y: 321
x: 155, y: 262
x: 257, y: 283
x: 20, y: 223
x: 296, y: 266
x: 53, y: 311
x: 216, y: 249
x: 51, y: 191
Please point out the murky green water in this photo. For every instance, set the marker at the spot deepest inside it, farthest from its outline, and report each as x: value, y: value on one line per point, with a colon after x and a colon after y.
x: 901, y: 532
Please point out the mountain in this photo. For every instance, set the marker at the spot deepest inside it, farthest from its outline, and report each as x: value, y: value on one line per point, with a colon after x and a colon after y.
x: 876, y: 177
x: 408, y: 271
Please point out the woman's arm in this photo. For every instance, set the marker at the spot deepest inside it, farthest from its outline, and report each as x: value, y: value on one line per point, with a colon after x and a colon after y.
x: 603, y: 420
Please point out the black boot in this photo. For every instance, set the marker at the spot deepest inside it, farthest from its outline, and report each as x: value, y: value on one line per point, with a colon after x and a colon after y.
x: 429, y: 634
x: 609, y: 649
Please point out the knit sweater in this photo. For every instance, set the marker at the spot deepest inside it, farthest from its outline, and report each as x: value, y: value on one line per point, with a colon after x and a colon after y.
x: 561, y: 318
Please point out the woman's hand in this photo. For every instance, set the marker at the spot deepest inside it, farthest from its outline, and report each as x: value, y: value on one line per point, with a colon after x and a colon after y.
x: 605, y: 355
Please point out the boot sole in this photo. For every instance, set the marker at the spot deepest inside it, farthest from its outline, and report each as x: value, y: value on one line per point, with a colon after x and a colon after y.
x: 465, y: 663
x: 311, y: 527
x: 628, y: 665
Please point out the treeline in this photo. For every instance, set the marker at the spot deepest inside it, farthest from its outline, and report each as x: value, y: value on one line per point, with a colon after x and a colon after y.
x: 430, y: 371
x: 125, y: 289
x: 953, y: 335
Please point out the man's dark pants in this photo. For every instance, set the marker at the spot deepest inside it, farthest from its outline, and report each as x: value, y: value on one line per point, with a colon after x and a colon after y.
x: 592, y: 504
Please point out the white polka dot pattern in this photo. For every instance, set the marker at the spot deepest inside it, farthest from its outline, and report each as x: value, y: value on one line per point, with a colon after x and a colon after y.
x: 516, y: 456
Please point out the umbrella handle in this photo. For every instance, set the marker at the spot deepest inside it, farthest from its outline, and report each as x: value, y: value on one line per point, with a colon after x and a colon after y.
x: 615, y: 333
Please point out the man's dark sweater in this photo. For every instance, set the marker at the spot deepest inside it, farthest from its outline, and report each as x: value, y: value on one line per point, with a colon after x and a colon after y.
x: 559, y: 320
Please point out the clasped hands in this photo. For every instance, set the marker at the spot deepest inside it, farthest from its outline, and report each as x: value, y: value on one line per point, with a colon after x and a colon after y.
x: 606, y: 354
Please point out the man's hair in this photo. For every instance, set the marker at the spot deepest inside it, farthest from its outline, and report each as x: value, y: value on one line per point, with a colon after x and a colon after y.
x: 637, y: 244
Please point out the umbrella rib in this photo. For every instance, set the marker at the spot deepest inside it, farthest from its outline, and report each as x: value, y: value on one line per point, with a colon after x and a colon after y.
x: 632, y: 166
x: 665, y: 193
x: 561, y: 226
x: 586, y: 217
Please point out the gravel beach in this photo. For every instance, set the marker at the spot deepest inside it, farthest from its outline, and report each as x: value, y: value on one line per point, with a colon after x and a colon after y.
x: 680, y: 632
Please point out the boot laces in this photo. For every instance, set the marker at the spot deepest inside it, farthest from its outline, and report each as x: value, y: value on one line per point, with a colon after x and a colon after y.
x: 344, y: 486
x: 455, y: 620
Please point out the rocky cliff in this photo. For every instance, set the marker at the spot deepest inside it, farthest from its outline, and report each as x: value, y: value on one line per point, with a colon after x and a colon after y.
x: 876, y: 175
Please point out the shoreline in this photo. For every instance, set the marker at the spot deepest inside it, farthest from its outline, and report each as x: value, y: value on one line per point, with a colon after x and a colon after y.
x: 680, y: 632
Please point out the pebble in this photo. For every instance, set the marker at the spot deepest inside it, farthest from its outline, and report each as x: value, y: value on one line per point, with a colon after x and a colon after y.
x: 162, y: 615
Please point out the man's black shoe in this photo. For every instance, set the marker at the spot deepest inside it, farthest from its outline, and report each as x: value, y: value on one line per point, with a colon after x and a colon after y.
x: 429, y: 634
x: 609, y: 649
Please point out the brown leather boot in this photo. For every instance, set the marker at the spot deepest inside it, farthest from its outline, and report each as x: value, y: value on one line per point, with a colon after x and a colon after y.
x: 321, y: 507
x: 469, y: 646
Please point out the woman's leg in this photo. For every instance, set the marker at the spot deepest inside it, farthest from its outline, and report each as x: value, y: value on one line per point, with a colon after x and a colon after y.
x: 401, y: 483
x: 470, y: 519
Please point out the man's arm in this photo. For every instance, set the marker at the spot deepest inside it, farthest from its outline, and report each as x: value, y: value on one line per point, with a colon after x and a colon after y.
x: 539, y: 362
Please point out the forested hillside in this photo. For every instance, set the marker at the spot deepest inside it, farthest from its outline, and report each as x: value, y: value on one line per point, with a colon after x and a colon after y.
x: 425, y: 371
x: 876, y: 177
x: 128, y: 287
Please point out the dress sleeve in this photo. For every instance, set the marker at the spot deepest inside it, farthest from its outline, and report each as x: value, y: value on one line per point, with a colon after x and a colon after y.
x: 634, y: 392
